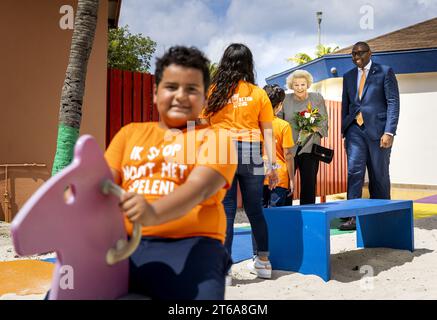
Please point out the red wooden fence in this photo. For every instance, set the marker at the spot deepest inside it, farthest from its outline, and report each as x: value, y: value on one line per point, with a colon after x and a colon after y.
x: 130, y: 99
x: 333, y: 177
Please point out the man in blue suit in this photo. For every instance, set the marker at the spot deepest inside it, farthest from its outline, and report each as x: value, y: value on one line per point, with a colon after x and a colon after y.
x: 370, y: 114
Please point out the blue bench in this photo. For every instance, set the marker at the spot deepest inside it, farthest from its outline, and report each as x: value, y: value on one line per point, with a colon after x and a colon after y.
x: 299, y: 236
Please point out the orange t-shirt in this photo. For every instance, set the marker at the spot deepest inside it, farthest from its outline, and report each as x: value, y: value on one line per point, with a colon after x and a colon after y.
x: 154, y: 161
x: 249, y: 106
x: 284, y: 139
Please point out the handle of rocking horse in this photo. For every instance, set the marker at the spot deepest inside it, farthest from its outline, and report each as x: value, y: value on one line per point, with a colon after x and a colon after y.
x: 123, y: 248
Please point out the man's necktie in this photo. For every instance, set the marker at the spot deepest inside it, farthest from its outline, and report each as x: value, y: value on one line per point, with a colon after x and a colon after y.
x: 359, y: 117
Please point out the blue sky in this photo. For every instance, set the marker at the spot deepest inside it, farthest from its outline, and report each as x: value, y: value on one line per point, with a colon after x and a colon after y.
x: 273, y: 29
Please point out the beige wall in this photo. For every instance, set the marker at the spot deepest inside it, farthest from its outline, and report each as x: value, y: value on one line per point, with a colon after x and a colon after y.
x: 413, y: 154
x: 34, y: 56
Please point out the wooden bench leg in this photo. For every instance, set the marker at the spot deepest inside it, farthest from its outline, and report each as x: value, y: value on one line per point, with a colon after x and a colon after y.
x: 392, y: 229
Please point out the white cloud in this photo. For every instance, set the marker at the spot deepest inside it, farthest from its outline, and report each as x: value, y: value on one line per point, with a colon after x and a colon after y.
x: 270, y: 53
x: 273, y: 29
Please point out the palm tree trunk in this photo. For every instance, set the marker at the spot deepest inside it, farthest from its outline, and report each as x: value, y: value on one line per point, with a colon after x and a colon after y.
x: 70, y: 112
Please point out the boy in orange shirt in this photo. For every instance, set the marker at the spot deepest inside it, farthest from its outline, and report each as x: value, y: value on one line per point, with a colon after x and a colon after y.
x: 284, y: 156
x: 172, y: 190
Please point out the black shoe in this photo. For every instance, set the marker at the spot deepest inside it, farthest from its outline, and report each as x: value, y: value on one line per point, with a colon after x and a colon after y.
x: 348, y: 225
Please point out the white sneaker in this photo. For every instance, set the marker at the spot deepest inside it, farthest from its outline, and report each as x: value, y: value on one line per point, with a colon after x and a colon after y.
x: 263, y: 269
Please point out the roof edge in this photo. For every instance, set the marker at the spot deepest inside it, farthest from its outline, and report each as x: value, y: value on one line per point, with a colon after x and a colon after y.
x: 327, y: 61
x: 390, y: 33
x: 114, y: 8
x: 343, y: 55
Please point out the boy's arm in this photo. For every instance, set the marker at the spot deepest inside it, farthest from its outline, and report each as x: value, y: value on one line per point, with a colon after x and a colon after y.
x: 269, y: 141
x: 270, y: 147
x: 202, y: 183
x: 289, y: 160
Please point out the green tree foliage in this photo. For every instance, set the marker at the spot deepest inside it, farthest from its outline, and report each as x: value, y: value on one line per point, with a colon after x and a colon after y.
x: 323, y: 50
x: 128, y: 51
x: 302, y: 58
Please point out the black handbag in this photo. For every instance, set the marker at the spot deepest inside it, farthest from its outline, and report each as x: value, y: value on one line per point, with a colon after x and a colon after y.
x: 321, y: 153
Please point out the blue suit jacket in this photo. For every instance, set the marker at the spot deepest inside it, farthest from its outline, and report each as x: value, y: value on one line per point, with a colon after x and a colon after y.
x: 379, y: 103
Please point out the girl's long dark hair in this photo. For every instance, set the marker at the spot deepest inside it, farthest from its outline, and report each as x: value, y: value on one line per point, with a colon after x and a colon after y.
x: 235, y: 65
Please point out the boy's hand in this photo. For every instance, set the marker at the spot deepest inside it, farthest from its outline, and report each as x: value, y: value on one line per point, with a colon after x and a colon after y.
x: 137, y: 209
x: 273, y: 178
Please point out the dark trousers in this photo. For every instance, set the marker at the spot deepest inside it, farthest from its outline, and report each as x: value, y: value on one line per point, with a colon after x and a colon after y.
x: 250, y: 176
x: 308, y: 168
x: 363, y: 152
x: 179, y: 269
x: 274, y: 198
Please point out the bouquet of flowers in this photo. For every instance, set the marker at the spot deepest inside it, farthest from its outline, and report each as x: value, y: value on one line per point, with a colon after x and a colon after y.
x: 308, y: 122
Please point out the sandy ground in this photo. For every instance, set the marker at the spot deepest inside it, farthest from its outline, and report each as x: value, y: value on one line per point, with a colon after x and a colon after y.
x: 7, y: 252
x: 397, y: 274
x: 356, y: 273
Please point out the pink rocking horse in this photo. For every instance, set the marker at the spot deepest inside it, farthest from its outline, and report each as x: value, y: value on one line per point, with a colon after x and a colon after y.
x: 86, y: 229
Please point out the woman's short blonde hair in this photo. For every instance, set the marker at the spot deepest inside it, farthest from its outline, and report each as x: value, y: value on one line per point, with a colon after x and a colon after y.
x: 299, y: 74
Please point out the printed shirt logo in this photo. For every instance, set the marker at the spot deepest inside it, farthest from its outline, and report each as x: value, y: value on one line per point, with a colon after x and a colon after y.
x: 240, y: 102
x: 155, y: 178
x: 135, y: 154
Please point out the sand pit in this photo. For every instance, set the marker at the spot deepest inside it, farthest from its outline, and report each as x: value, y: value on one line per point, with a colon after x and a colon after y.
x: 397, y: 274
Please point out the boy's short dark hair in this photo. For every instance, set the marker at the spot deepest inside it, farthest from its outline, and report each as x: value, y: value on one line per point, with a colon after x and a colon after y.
x: 186, y: 57
x: 276, y: 94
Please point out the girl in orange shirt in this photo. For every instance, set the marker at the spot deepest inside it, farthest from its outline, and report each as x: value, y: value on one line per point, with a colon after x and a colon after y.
x: 236, y: 104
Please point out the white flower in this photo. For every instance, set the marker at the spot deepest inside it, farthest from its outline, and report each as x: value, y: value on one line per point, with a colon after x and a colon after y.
x: 312, y: 119
x: 307, y: 115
